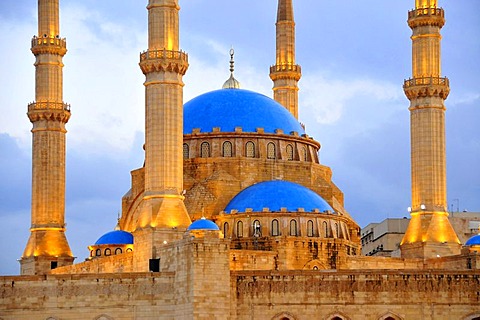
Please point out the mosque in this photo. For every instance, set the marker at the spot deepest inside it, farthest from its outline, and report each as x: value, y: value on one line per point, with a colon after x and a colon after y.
x: 232, y: 215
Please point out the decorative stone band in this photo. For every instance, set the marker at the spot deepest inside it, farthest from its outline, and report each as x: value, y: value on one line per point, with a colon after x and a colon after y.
x: 426, y: 17
x: 54, y: 111
x: 164, y: 60
x: 47, y: 228
x: 427, y: 87
x: 51, y: 45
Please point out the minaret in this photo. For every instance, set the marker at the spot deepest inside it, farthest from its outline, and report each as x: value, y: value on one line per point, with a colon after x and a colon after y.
x: 162, y: 210
x: 285, y: 74
x: 429, y: 233
x: 47, y: 247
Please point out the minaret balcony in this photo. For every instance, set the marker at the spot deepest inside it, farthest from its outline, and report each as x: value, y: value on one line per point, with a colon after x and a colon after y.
x: 427, y: 87
x: 286, y: 67
x: 163, y: 60
x: 426, y: 16
x: 47, y: 44
x: 55, y: 111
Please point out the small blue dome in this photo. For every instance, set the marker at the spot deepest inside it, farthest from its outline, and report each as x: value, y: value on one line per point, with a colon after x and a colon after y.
x: 473, y: 241
x: 116, y: 237
x: 203, y: 224
x: 275, y: 195
x: 230, y: 108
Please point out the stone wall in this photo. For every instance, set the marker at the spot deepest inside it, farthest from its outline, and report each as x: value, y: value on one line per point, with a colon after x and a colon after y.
x: 356, y: 295
x: 115, y: 296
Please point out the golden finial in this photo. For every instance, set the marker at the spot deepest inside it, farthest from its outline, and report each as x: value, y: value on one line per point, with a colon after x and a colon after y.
x: 231, y: 83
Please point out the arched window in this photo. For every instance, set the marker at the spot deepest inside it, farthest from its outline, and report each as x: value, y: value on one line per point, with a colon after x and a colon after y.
x: 98, y: 252
x: 205, y: 150
x: 225, y: 230
x: 91, y: 253
x: 108, y: 252
x: 310, y: 228
x: 271, y: 151
x: 257, y: 229
x: 129, y: 250
x: 305, y: 154
x: 227, y: 150
x: 325, y: 228
x: 275, y: 228
x: 293, y: 228
x: 118, y: 251
x: 186, y: 151
x: 289, y: 152
x: 337, y: 230
x: 250, y: 149
x: 239, y: 229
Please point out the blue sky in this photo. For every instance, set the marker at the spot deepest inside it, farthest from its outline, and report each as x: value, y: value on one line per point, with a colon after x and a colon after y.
x: 354, y: 57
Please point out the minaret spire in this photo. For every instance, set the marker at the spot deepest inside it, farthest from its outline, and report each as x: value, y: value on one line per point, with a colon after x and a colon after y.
x: 162, y: 215
x: 429, y: 233
x: 47, y: 247
x: 285, y: 74
x: 231, y: 83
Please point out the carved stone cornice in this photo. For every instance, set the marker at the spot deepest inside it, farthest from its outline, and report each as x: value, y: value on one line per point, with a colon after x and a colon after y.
x: 164, y: 61
x: 426, y: 87
x: 53, y: 111
x: 426, y: 17
x: 49, y: 45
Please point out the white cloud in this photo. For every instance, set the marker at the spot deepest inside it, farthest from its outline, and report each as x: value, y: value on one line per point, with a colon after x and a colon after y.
x: 330, y: 98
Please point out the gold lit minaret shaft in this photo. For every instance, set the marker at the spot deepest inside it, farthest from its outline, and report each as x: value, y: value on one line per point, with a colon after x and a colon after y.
x: 47, y: 246
x: 164, y: 66
x: 429, y: 233
x: 285, y: 74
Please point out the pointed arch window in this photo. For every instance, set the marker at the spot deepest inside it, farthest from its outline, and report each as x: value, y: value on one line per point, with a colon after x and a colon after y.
x: 289, y: 152
x: 293, y: 228
x: 186, y: 151
x: 250, y: 149
x: 205, y: 150
x: 239, y: 229
x: 227, y: 150
x: 271, y: 151
x: 118, y: 251
x: 108, y: 251
x: 225, y: 230
x: 275, y: 228
x: 310, y: 228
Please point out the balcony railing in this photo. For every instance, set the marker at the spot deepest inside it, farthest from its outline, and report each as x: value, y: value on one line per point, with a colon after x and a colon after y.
x: 285, y: 68
x: 439, y: 12
x: 163, y: 54
x: 423, y: 81
x: 48, y: 106
x: 49, y: 41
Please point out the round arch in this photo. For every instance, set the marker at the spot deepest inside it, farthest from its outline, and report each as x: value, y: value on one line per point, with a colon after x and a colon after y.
x: 473, y: 316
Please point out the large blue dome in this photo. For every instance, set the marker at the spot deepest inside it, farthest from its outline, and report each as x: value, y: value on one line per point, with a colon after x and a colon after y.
x: 473, y: 241
x: 230, y: 108
x: 275, y: 195
x: 115, y: 237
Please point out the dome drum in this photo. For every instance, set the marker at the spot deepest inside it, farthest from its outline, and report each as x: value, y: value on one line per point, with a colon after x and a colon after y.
x: 248, y: 145
x: 274, y: 224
